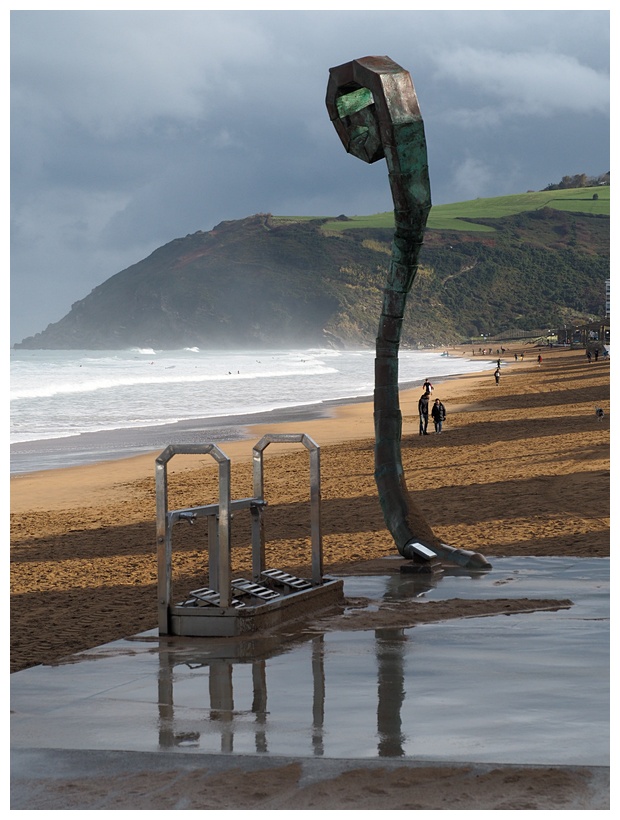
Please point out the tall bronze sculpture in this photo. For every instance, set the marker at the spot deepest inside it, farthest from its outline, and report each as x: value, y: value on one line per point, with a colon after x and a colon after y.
x: 374, y: 108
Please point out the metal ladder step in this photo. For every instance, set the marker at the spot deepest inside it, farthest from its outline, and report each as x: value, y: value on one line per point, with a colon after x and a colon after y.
x: 286, y: 579
x: 200, y: 597
x: 258, y: 591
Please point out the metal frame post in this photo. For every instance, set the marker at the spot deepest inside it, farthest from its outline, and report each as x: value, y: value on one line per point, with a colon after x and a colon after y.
x: 258, y: 539
x: 164, y: 546
x: 258, y: 523
x: 212, y: 541
x: 218, y: 552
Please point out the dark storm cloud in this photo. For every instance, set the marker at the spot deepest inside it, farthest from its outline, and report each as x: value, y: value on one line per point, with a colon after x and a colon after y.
x: 132, y: 128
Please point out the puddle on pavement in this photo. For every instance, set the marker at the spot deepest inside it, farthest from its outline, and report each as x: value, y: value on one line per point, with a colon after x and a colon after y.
x: 530, y: 688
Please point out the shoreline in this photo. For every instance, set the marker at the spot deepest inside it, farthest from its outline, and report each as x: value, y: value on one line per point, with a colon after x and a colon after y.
x: 85, y: 449
x: 82, y: 484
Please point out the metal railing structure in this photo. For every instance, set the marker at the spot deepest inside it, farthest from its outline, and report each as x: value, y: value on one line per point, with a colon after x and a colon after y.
x: 218, y: 517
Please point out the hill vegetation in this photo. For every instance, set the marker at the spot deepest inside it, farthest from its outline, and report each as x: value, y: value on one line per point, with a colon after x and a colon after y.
x: 524, y: 261
x: 458, y: 216
x: 578, y: 181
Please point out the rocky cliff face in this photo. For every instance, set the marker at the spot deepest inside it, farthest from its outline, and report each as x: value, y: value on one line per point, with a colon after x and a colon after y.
x: 265, y: 282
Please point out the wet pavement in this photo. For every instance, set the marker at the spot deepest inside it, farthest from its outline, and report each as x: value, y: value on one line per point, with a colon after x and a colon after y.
x: 527, y: 688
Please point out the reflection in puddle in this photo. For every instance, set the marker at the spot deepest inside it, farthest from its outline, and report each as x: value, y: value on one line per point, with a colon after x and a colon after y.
x: 220, y: 701
x: 484, y: 688
x: 216, y: 678
x: 390, y: 691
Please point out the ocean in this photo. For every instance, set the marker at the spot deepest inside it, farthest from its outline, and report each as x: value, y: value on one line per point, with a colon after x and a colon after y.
x: 72, y: 407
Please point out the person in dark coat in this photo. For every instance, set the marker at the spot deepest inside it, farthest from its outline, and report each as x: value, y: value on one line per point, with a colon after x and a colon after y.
x: 439, y: 415
x: 423, y: 412
x: 497, y: 374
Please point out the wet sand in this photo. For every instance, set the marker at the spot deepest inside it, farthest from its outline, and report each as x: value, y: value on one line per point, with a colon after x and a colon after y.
x: 521, y: 469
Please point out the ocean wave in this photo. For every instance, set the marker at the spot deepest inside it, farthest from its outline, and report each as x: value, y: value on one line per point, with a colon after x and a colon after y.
x: 92, y: 385
x: 96, y: 426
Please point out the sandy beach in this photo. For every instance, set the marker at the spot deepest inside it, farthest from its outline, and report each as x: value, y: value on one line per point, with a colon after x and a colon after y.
x: 521, y: 469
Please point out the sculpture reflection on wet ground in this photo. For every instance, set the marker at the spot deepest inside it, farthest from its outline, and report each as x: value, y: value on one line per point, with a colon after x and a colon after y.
x: 374, y: 108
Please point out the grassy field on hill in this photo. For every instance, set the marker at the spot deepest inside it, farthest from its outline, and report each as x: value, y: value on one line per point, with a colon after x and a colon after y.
x: 454, y: 217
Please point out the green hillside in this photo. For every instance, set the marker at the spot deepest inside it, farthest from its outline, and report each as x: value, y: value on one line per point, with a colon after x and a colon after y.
x: 525, y: 261
x: 456, y: 216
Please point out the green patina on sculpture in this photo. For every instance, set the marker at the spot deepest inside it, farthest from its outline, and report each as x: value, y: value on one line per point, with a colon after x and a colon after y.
x: 374, y: 108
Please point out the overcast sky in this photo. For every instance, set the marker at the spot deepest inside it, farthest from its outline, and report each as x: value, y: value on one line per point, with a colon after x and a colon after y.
x: 132, y: 128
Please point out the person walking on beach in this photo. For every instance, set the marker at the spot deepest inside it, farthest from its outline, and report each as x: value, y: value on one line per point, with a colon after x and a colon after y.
x: 497, y: 374
x: 439, y: 415
x: 589, y: 356
x: 427, y: 387
x: 423, y: 413
x: 539, y: 360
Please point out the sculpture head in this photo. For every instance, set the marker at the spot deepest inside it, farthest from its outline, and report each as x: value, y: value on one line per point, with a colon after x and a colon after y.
x: 366, y: 99
x: 374, y: 108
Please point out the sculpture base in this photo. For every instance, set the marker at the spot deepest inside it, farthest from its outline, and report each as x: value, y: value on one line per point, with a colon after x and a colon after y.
x: 261, y: 616
x: 432, y: 567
